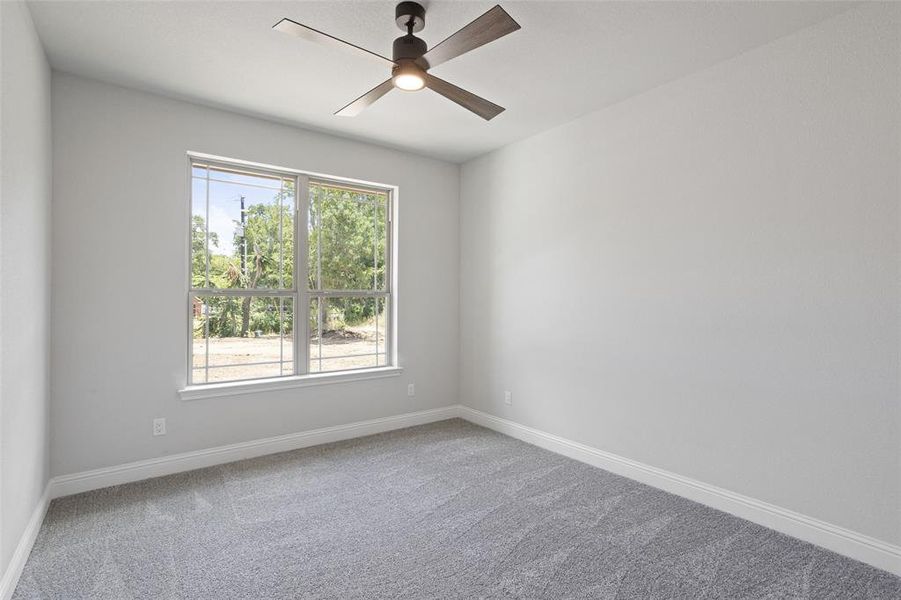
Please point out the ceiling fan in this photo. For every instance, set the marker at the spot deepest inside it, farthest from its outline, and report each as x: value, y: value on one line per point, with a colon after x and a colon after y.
x: 412, y: 58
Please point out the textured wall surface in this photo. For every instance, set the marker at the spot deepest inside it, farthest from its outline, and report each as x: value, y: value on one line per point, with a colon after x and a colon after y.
x: 120, y: 271
x: 25, y: 175
x: 704, y: 278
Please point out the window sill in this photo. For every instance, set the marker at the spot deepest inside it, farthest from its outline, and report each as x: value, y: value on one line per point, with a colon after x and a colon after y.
x: 234, y: 388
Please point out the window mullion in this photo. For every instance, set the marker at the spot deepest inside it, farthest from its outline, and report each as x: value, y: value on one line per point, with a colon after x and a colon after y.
x: 206, y: 253
x: 320, y: 312
x: 375, y: 274
x: 349, y: 294
x: 389, y: 281
x: 301, y: 276
x: 241, y: 292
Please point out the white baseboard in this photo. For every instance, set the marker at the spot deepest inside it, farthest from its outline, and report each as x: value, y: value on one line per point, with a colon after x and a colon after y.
x: 872, y: 551
x: 166, y: 465
x: 23, y: 548
x: 838, y: 539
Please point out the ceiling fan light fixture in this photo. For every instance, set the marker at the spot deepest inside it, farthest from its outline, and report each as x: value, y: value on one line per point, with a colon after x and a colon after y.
x: 408, y: 77
x: 409, y: 82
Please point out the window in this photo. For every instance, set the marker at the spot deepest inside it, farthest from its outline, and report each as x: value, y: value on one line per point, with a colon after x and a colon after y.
x: 248, y: 317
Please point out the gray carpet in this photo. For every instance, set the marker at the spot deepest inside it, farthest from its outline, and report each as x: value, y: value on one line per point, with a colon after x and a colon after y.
x: 448, y: 510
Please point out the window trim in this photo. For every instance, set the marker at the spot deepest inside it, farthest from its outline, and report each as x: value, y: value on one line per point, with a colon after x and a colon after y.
x: 250, y: 386
x: 300, y: 293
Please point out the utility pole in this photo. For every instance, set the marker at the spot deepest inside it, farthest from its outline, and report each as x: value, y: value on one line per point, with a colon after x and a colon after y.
x: 245, y: 302
x: 243, y: 242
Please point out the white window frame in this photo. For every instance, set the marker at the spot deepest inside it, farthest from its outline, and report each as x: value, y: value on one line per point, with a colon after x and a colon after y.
x: 299, y: 293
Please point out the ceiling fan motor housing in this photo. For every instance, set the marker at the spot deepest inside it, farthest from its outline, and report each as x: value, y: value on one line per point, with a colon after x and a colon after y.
x: 408, y: 47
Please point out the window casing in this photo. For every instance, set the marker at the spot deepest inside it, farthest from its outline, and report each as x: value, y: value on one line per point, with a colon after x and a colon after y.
x: 290, y: 274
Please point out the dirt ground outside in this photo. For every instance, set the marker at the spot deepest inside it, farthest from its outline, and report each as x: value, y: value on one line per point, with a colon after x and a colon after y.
x: 271, y: 356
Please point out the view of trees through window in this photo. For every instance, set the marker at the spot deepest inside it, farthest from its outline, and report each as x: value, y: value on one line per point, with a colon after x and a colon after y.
x: 245, y: 308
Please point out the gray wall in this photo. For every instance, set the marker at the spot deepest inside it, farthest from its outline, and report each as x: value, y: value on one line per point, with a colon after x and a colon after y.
x: 704, y: 278
x: 120, y: 261
x: 25, y: 173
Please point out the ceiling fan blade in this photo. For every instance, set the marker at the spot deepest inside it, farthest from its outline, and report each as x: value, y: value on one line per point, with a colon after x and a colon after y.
x: 485, y: 109
x: 494, y: 24
x: 358, y: 105
x: 313, y: 35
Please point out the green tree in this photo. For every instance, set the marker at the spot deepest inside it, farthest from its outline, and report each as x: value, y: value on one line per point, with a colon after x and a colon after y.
x: 268, y: 240
x: 346, y: 250
x: 266, y: 245
x: 198, y: 250
x: 346, y: 235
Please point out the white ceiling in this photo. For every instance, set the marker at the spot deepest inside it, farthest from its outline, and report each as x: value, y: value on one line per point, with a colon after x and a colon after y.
x: 568, y: 59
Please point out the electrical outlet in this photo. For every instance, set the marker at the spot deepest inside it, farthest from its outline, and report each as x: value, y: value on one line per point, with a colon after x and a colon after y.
x: 411, y: 389
x: 159, y: 427
x: 508, y: 397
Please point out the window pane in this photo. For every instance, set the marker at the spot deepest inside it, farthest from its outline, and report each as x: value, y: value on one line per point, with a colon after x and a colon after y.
x: 198, y: 338
x: 351, y: 335
x: 313, y: 227
x: 287, y: 308
x: 381, y: 328
x: 198, y: 232
x: 286, y: 215
x: 249, y: 178
x: 242, y: 338
x: 348, y: 362
x: 251, y: 231
x: 347, y: 238
x: 381, y: 252
x: 315, y: 334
